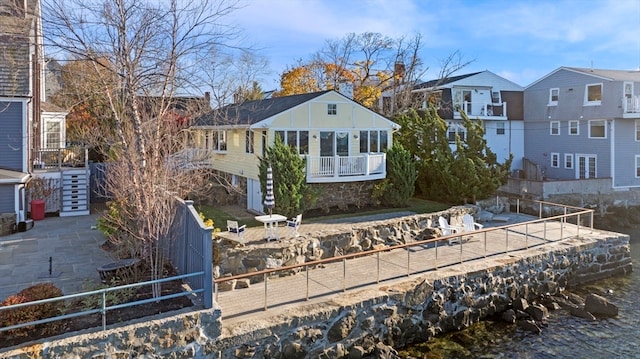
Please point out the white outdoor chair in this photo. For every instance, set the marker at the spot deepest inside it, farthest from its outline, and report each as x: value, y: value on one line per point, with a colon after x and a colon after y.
x: 469, y: 224
x: 448, y: 230
x: 232, y: 227
x: 294, y: 224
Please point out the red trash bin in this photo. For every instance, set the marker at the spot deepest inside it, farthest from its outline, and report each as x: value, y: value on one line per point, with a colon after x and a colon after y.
x: 37, y: 209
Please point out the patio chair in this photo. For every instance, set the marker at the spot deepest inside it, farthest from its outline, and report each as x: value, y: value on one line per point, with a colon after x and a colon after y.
x: 469, y: 224
x: 293, y: 225
x: 448, y: 230
x: 232, y: 227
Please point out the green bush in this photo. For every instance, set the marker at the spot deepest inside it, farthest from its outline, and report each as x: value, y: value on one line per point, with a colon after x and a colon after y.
x: 32, y: 312
x: 399, y: 186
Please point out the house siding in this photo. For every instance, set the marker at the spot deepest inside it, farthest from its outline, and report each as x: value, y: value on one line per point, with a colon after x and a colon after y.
x: 626, y: 148
x: 12, y: 138
x: 7, y: 198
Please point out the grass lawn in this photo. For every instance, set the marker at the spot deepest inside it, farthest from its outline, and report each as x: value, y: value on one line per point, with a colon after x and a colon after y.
x: 416, y: 205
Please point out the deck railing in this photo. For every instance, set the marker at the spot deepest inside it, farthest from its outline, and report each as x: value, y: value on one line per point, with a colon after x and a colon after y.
x: 346, y: 168
x: 554, y: 222
x: 57, y: 158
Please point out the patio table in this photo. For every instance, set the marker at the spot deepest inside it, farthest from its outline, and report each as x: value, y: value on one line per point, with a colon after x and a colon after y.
x: 271, y: 225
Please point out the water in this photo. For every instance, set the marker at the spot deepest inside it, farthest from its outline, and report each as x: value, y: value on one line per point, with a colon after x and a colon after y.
x: 565, y: 336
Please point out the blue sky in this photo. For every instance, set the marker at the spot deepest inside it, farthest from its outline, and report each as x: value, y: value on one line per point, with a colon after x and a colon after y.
x: 519, y: 40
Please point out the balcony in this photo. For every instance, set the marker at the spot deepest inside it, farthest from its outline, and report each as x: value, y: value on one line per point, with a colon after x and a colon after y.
x: 631, y: 107
x: 56, y: 159
x: 482, y: 110
x: 326, y: 169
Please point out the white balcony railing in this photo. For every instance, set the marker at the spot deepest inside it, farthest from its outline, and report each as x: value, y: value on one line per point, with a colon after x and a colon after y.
x: 631, y: 104
x: 483, y: 110
x: 57, y: 158
x: 346, y: 168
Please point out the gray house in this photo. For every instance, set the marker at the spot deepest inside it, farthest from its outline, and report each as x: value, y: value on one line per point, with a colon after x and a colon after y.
x: 584, y: 124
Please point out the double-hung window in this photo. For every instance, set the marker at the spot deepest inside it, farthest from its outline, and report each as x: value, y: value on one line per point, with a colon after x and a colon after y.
x: 574, y: 128
x: 568, y: 160
x: 332, y: 109
x: 554, y: 128
x: 555, y: 160
x: 553, y: 96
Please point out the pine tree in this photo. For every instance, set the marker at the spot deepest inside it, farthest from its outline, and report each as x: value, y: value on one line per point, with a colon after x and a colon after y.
x: 399, y: 186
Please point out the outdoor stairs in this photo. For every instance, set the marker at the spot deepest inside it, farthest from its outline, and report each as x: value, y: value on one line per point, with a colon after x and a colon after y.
x: 75, y: 192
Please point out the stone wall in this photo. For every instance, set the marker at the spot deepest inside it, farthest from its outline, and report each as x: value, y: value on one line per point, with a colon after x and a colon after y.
x: 237, y: 259
x: 343, y: 195
x: 7, y: 223
x: 355, y: 323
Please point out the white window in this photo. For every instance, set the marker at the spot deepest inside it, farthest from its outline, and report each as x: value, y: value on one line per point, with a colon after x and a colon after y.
x: 574, y: 128
x: 637, y: 130
x: 553, y: 96
x: 637, y: 166
x: 248, y: 144
x: 373, y: 141
x: 299, y: 140
x: 555, y: 128
x: 214, y: 140
x: 495, y: 96
x: 597, y: 129
x: 555, y: 159
x: 234, y: 181
x: 593, y: 95
x: 452, y: 131
x: 53, y: 134
x: 500, y: 128
x: 332, y: 109
x: 568, y: 160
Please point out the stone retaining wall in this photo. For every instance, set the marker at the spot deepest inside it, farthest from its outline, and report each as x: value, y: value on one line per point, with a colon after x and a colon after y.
x: 352, y: 324
x: 330, y: 243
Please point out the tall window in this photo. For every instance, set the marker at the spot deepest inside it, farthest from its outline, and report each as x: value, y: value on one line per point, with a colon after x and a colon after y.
x: 637, y: 166
x: 553, y: 96
x: 637, y: 130
x: 332, y: 109
x: 299, y: 140
x: 373, y: 141
x: 500, y: 128
x: 248, y: 137
x: 568, y: 160
x: 495, y: 96
x: 555, y: 128
x: 452, y: 131
x: 574, y: 128
x: 593, y: 95
x: 555, y: 160
x: 53, y: 135
x: 597, y: 129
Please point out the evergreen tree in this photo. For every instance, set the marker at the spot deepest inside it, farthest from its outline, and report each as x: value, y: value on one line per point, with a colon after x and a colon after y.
x: 289, y: 179
x: 399, y: 186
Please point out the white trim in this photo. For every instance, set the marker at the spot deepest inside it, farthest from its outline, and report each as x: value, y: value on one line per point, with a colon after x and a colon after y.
x: 551, y: 128
x: 605, y: 129
x: 568, y: 156
x: 551, y: 101
x: 586, y: 94
x: 556, y: 156
x: 577, y: 122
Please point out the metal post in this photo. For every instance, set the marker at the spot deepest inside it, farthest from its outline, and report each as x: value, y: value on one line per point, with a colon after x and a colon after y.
x: 460, y: 240
x: 307, y: 269
x: 408, y: 261
x: 436, y: 260
x: 540, y: 210
x: 104, y: 309
x: 506, y: 237
x: 578, y: 226
x: 544, y: 229
x: 526, y: 235
x: 264, y: 277
x: 344, y: 274
x: 518, y: 205
x: 591, y: 220
x: 485, y: 244
x: 378, y: 275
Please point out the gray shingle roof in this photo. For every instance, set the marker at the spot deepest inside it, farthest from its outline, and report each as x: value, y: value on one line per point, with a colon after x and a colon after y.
x: 617, y: 75
x: 441, y: 82
x: 14, y: 56
x: 250, y: 112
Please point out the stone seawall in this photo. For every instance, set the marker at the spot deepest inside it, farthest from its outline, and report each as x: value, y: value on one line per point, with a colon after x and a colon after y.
x: 351, y: 324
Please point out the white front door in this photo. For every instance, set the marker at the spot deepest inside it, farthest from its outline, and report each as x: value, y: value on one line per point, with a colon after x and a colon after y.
x: 254, y: 196
x: 586, y: 167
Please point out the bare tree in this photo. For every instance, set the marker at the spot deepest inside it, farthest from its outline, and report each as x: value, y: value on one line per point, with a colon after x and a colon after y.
x: 142, y: 54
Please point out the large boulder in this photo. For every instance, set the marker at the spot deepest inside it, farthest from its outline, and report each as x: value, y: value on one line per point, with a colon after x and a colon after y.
x: 599, y: 306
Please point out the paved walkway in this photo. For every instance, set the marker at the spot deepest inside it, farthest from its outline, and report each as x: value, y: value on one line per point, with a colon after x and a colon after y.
x: 71, y: 243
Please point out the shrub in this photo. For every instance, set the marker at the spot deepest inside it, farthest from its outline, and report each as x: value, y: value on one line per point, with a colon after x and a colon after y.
x: 32, y: 312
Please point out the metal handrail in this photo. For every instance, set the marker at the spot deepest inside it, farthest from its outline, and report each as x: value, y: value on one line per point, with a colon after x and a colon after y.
x: 482, y: 232
x: 104, y: 308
